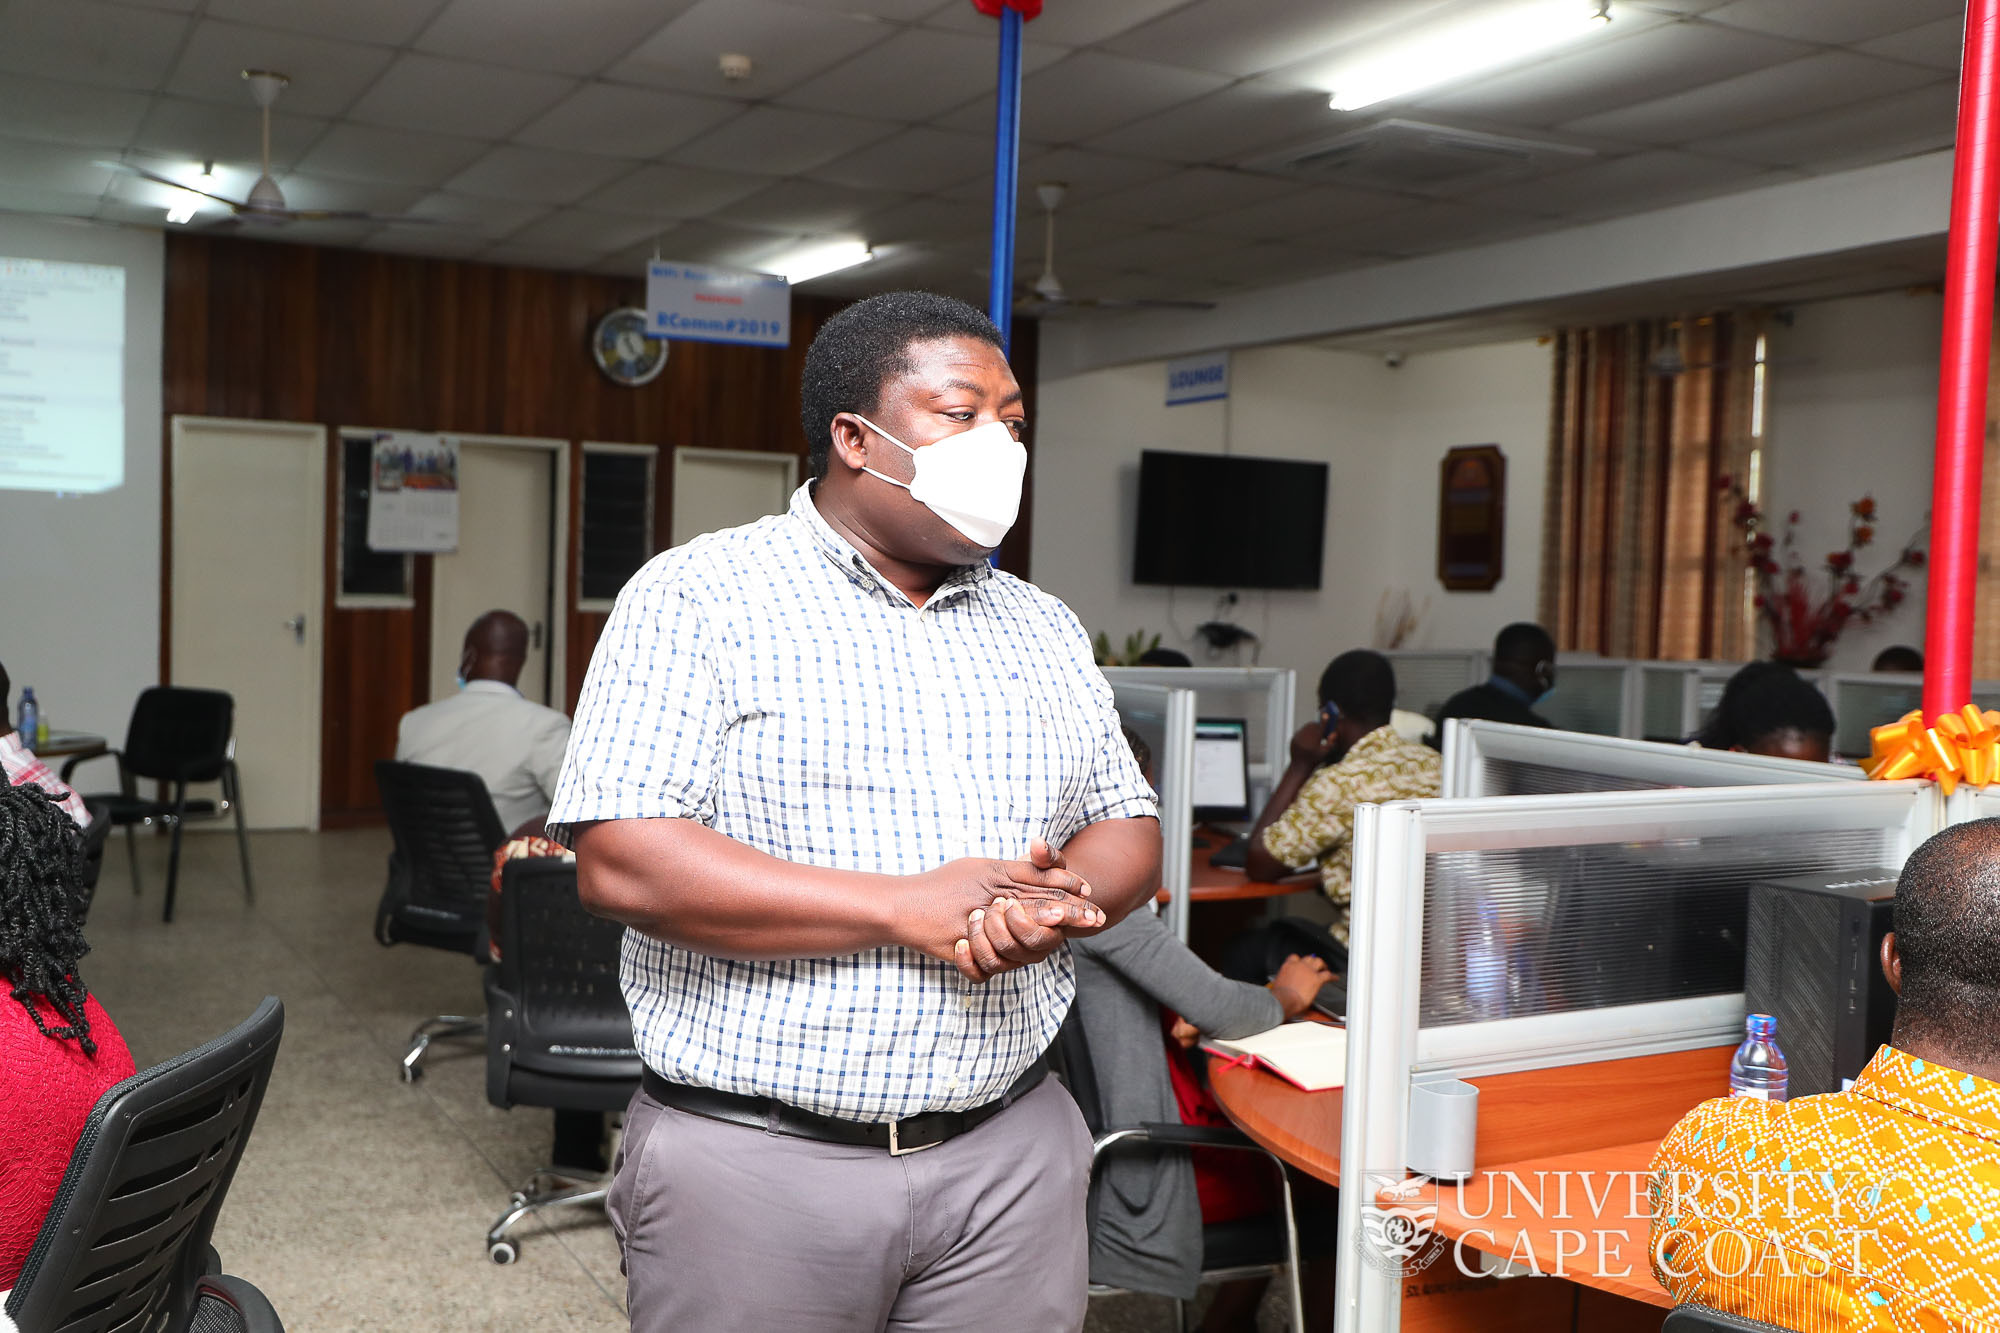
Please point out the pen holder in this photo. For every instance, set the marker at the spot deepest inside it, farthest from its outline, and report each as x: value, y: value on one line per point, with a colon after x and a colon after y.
x: 1444, y: 1120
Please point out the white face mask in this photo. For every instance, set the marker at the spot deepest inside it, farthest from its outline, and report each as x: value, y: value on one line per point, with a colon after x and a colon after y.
x: 971, y: 480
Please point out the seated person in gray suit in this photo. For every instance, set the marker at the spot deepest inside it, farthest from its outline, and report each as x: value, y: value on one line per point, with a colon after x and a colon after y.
x: 1146, y: 1233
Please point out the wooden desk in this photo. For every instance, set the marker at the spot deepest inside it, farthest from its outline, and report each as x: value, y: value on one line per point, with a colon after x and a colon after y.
x: 78, y: 744
x: 1606, y: 1117
x: 1207, y: 884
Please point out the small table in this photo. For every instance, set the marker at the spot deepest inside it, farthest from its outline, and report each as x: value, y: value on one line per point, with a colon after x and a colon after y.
x: 71, y: 744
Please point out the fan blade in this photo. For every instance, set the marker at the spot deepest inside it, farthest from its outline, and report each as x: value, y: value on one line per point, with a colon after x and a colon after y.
x: 158, y: 179
x: 351, y: 215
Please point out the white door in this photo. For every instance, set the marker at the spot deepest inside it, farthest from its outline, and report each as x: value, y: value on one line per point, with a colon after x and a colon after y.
x: 724, y: 488
x: 247, y: 556
x: 505, y: 561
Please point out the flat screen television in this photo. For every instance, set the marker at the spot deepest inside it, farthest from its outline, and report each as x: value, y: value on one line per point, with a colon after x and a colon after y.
x: 1226, y: 521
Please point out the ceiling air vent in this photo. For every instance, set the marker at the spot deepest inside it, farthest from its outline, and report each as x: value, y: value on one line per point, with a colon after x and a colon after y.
x: 1412, y: 156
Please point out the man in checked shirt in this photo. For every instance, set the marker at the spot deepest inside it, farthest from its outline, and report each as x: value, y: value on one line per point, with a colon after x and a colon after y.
x: 851, y: 789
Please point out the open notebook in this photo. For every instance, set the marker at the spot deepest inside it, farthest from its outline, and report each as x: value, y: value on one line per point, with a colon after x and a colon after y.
x: 1310, y: 1055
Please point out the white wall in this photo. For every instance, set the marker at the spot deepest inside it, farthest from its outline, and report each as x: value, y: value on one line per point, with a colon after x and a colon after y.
x: 1853, y: 412
x: 80, y: 574
x: 1384, y: 433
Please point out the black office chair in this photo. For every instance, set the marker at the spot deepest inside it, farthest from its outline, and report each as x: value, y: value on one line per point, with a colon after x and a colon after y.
x: 92, y: 853
x: 1250, y: 1247
x: 1701, y: 1319
x: 446, y: 832
x: 126, y: 1244
x: 557, y: 1030
x: 177, y: 736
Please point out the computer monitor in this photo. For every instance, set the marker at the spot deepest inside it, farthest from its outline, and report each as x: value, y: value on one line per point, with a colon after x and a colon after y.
x: 1221, y: 769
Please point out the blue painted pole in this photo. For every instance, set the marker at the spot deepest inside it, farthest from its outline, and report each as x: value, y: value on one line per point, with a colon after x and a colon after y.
x: 1006, y: 174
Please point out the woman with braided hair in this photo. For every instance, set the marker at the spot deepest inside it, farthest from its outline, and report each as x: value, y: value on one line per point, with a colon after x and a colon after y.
x: 58, y: 1050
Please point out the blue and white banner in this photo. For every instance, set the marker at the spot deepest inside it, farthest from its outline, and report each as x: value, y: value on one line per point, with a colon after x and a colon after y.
x: 1198, y: 379
x: 709, y: 303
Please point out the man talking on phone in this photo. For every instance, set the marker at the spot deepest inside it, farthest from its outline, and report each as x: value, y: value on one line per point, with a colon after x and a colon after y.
x: 851, y: 789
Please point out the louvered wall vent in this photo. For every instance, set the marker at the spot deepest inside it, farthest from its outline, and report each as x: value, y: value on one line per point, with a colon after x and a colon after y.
x: 1412, y: 156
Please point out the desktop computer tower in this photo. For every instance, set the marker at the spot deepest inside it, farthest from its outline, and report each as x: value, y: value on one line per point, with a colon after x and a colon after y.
x: 1813, y: 962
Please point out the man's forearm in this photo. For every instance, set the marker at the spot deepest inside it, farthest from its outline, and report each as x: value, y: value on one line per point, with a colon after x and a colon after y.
x: 1120, y: 860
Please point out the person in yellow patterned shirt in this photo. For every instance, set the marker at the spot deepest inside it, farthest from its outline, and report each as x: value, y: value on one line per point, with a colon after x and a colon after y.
x: 1877, y: 1207
x: 1309, y: 819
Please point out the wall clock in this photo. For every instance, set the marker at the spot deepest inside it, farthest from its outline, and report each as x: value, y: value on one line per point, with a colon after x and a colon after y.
x: 623, y: 351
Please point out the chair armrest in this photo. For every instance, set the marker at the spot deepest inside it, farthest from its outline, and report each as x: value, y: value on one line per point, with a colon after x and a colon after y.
x: 253, y: 1311
x: 70, y: 766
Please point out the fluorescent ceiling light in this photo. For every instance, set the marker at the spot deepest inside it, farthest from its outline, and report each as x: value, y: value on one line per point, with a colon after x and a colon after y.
x: 816, y: 261
x: 184, y: 207
x: 1438, y: 53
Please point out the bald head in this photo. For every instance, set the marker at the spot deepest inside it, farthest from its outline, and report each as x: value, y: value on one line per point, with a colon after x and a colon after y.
x: 496, y: 647
x: 1944, y: 957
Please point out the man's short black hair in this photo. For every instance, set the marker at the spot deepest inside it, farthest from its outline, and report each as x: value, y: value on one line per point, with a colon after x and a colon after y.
x: 1948, y: 934
x: 1525, y: 643
x: 1780, y: 701
x: 1898, y: 657
x: 865, y: 346
x: 1361, y: 684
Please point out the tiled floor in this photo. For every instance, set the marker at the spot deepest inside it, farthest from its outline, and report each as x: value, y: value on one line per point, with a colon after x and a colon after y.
x: 362, y: 1203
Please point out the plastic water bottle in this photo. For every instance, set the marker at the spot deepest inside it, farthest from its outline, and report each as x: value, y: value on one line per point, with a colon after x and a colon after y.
x: 29, y: 722
x: 1758, y: 1067
x: 1486, y: 965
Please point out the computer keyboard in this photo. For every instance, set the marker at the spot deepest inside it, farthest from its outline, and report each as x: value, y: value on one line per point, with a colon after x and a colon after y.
x: 1231, y: 856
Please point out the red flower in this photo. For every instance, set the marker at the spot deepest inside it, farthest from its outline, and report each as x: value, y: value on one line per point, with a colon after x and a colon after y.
x: 1839, y: 561
x: 1795, y: 516
x: 1913, y: 558
x: 1725, y: 482
x: 1892, y: 596
x: 1760, y: 603
x: 1863, y: 535
x: 1865, y: 507
x: 1851, y: 587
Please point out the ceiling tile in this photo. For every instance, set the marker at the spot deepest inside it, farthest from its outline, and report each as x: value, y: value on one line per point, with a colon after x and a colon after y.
x: 1226, y: 126
x: 365, y: 153
x: 1067, y: 24
x: 1311, y: 211
x: 1156, y: 247
x: 70, y: 113
x: 62, y: 169
x: 713, y: 243
x: 584, y: 233
x: 916, y: 74
x: 1888, y: 127
x: 914, y: 160
x: 1797, y: 87
x: 895, y: 11
x: 931, y: 222
x: 776, y: 142
x: 1271, y: 262
x: 326, y: 75
x: 490, y: 218
x: 1090, y: 94
x: 1244, y: 37
x: 85, y: 42
x: 1833, y: 22
x: 617, y: 121
x: 213, y: 132
x: 1940, y: 45
x: 1188, y: 195
x: 674, y: 192
x: 1624, y: 68
x: 302, y: 191
x: 150, y: 199
x: 383, y: 22
x: 1088, y: 175
x: 809, y: 207
x: 453, y: 97
x: 1628, y: 184
x: 572, y: 38
x: 786, y: 45
x: 535, y: 174
x: 1432, y: 227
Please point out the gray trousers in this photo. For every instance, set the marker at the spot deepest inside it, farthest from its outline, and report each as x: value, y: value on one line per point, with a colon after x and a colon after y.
x: 724, y: 1227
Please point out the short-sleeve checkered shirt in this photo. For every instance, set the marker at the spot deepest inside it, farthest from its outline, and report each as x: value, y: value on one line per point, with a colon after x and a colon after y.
x: 767, y: 682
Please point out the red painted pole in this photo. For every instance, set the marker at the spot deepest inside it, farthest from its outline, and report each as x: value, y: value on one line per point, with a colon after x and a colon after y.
x: 1968, y: 336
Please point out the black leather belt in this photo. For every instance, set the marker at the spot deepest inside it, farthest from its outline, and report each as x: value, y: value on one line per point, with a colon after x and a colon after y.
x: 901, y: 1137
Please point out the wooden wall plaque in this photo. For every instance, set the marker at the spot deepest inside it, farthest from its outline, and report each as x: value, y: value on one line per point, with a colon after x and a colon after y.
x: 1472, y: 518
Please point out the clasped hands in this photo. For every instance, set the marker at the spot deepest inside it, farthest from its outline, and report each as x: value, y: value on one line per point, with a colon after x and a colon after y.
x: 986, y: 917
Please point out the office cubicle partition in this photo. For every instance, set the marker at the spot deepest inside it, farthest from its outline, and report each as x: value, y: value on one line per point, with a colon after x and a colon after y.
x: 1599, y: 695
x: 1864, y: 700
x: 1500, y: 759
x: 1164, y: 719
x: 1261, y: 696
x: 1426, y: 678
x: 1525, y: 932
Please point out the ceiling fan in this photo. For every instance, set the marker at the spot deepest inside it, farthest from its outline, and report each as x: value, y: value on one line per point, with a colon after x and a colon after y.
x: 1050, y: 298
x: 265, y: 205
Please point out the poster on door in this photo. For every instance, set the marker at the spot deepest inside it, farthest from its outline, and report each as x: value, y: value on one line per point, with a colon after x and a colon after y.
x: 413, y: 492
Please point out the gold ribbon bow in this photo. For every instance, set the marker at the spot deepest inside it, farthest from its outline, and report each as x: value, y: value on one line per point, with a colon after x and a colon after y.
x: 1962, y: 747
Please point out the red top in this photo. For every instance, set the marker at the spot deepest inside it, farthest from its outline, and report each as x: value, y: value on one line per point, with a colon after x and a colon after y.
x: 48, y: 1088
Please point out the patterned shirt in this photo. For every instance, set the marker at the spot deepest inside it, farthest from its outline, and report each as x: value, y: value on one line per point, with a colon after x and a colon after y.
x: 769, y: 683
x: 20, y: 765
x: 1874, y: 1208
x: 1317, y: 828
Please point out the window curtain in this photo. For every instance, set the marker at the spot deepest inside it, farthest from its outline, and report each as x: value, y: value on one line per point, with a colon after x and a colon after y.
x: 1640, y: 554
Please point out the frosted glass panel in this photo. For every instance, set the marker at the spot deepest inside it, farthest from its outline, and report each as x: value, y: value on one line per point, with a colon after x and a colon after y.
x: 1586, y: 698
x: 1859, y: 705
x: 1515, y: 932
x: 1660, y: 705
x: 1424, y: 681
x: 1513, y: 777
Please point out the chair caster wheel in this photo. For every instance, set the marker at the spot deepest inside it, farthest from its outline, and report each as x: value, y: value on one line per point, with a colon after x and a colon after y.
x: 502, y: 1252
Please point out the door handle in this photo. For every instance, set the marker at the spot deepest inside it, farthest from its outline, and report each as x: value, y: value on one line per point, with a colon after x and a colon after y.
x: 538, y: 635
x: 297, y: 625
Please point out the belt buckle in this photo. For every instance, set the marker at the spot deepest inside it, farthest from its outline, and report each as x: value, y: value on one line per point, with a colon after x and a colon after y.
x: 896, y: 1148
